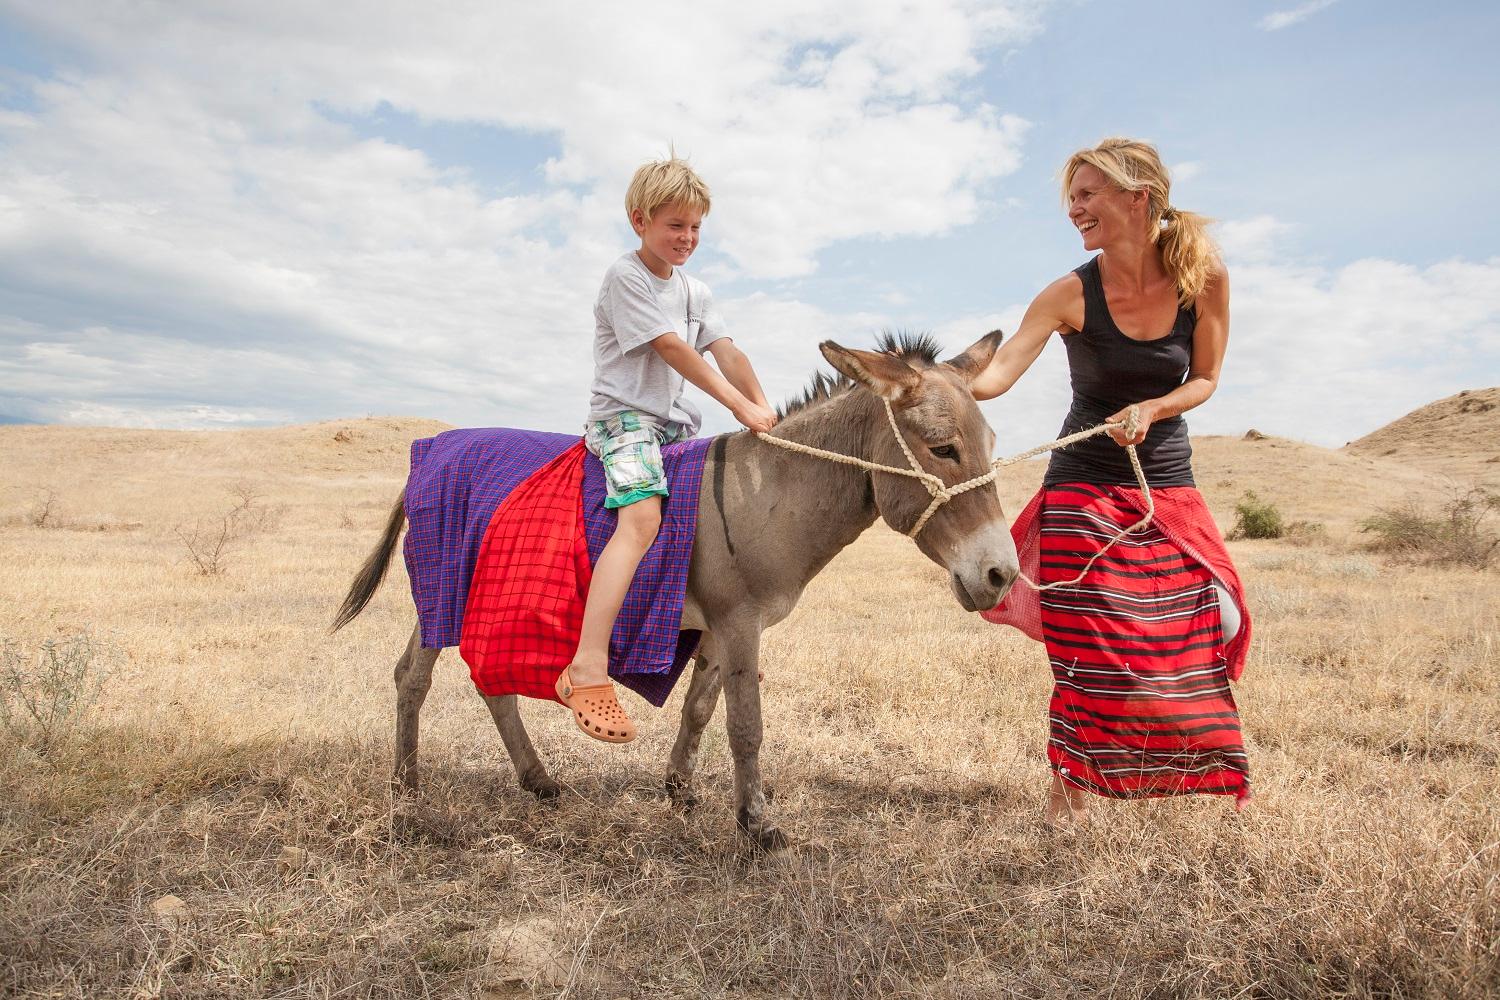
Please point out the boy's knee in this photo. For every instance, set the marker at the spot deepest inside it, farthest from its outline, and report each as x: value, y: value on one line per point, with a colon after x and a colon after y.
x: 641, y: 520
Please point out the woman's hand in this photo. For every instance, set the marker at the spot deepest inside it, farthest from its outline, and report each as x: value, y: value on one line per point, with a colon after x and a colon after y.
x: 1146, y: 413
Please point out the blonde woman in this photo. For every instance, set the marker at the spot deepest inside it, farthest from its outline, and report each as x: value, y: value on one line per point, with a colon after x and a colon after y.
x: 1143, y: 647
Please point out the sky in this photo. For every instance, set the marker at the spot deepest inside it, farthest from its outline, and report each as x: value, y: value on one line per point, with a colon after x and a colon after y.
x: 232, y: 215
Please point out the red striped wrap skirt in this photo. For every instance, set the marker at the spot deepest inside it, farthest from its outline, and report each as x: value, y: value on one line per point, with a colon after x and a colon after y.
x: 1140, y: 703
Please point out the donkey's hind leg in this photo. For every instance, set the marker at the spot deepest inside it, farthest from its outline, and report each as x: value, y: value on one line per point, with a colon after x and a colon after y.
x: 530, y: 770
x: 413, y: 678
x: 697, y: 709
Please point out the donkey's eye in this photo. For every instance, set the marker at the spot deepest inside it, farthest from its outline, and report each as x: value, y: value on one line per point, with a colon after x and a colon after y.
x: 945, y: 451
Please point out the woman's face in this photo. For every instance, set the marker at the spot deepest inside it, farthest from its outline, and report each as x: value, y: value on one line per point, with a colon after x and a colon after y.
x: 1102, y: 212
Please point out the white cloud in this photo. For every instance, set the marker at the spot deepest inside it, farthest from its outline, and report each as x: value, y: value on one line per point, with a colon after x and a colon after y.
x: 1252, y: 239
x: 180, y: 202
x: 1185, y: 171
x: 1286, y: 18
x: 1328, y: 355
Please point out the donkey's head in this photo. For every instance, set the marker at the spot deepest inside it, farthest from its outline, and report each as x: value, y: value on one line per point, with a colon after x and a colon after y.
x: 942, y: 426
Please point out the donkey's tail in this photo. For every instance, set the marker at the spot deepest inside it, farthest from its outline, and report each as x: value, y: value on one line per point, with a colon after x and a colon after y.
x: 373, y: 571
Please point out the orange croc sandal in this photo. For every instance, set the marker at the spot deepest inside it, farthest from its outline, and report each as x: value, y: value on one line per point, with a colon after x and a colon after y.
x: 596, y: 710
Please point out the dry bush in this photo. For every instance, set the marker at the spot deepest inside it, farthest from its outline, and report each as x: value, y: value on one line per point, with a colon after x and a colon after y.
x: 44, y: 696
x: 43, y: 512
x: 209, y: 543
x: 1459, y: 534
x: 1306, y: 533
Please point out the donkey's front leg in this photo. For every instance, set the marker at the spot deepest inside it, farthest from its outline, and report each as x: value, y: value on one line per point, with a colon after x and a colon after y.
x: 697, y: 708
x: 740, y: 667
x: 413, y: 679
x: 530, y: 770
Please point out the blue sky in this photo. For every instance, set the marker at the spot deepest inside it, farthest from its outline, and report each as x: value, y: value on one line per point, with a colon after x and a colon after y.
x: 222, y: 217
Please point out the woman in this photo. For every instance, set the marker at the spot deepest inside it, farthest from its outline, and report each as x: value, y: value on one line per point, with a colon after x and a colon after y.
x: 1143, y: 646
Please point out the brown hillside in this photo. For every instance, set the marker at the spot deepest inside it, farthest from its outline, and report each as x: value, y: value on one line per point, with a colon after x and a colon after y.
x: 1457, y: 437
x: 352, y: 469
x: 125, y: 477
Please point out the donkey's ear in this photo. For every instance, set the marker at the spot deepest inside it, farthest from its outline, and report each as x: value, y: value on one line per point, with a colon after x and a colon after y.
x: 974, y: 360
x: 885, y: 374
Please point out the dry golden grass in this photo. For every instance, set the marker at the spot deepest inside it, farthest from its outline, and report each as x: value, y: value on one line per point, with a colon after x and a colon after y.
x: 238, y: 760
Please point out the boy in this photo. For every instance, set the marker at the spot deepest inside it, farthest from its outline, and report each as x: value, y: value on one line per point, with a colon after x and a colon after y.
x: 652, y: 324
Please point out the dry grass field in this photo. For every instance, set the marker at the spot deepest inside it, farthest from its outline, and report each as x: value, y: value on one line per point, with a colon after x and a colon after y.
x: 237, y: 760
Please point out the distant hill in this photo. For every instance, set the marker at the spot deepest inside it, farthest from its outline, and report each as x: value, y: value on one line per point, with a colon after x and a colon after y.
x: 344, y: 473
x: 1457, y: 437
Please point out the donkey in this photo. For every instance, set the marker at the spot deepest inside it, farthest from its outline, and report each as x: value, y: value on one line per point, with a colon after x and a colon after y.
x: 768, y: 521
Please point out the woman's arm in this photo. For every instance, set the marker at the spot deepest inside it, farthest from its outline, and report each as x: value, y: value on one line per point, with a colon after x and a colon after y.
x: 1210, y: 337
x: 1058, y: 307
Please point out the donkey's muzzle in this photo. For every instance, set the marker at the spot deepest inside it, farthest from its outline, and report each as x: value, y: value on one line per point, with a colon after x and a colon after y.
x: 982, y: 590
x: 983, y: 568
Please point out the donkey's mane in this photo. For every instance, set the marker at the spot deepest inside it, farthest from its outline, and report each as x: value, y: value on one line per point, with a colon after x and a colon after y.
x: 917, y: 349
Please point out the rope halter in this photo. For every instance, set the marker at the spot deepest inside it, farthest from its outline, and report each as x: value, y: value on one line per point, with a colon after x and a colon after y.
x: 942, y: 493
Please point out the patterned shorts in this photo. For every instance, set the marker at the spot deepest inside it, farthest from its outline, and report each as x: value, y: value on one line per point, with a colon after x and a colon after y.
x: 629, y: 444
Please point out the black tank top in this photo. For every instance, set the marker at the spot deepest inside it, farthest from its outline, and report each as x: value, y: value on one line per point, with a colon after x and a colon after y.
x: 1109, y: 371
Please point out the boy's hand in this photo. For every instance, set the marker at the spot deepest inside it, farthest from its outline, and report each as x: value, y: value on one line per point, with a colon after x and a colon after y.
x: 756, y: 417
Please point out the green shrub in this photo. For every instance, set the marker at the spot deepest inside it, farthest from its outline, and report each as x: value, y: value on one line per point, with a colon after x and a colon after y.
x: 1457, y: 535
x: 1256, y: 518
x: 42, y: 697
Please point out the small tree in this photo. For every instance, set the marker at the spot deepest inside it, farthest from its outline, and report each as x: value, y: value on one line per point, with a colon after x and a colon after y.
x: 44, y: 509
x: 208, y: 544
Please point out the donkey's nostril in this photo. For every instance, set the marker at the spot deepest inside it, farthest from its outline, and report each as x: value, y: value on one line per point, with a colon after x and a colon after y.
x: 1000, y: 579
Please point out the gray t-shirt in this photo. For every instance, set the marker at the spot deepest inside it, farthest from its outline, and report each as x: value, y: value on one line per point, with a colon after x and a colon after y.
x: 634, y: 308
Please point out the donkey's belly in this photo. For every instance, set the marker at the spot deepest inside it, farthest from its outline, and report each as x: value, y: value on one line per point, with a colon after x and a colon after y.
x: 693, y: 617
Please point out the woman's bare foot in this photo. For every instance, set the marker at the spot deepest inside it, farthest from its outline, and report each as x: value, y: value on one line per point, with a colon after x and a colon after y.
x: 1066, y: 806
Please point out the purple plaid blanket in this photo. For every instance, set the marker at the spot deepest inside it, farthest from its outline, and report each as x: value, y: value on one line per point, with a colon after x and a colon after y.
x: 458, y: 479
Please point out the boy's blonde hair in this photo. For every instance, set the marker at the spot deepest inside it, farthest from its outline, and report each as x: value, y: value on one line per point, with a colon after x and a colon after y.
x: 1187, y: 251
x: 665, y: 182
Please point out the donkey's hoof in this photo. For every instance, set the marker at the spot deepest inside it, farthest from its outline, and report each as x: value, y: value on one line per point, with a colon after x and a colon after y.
x: 765, y: 836
x: 542, y: 786
x: 684, y: 799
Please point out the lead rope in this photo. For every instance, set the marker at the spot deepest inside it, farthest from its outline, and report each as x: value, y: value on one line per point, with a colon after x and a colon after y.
x: 941, y: 494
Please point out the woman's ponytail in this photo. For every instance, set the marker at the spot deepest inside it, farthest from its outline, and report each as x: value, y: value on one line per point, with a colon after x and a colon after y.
x: 1187, y: 251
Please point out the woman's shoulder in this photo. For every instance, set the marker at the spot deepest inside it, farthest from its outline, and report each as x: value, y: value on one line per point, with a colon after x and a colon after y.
x: 1215, y: 294
x: 1068, y: 286
x: 1061, y: 303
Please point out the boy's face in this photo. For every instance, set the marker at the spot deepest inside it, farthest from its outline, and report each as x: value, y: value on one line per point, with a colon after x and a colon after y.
x: 669, y: 238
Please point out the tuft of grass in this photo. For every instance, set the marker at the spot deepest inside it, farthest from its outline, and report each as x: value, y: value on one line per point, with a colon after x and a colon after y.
x: 43, y: 696
x: 1256, y: 518
x: 1306, y: 533
x: 1459, y: 534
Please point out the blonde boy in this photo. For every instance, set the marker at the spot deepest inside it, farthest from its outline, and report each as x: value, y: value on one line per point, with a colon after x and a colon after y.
x: 652, y: 325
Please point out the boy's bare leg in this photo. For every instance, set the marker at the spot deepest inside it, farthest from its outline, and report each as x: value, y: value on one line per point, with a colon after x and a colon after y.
x: 634, y: 532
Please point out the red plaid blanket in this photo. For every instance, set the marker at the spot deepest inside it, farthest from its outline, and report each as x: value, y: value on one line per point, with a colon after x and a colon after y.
x: 525, y: 609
